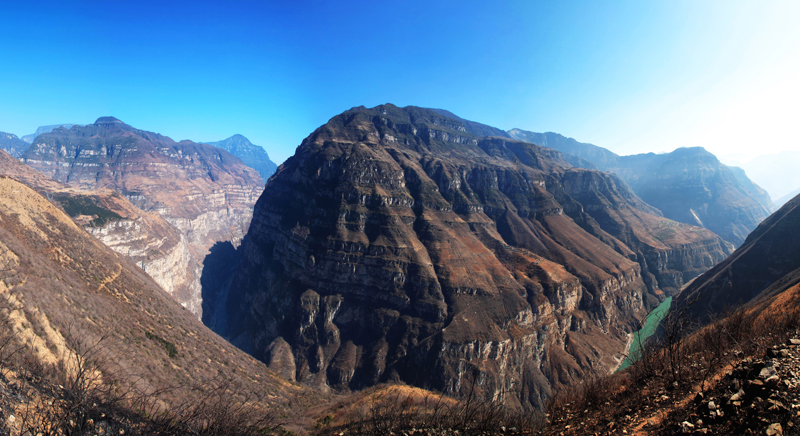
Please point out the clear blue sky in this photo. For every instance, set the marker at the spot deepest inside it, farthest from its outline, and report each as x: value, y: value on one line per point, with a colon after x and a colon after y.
x: 632, y: 76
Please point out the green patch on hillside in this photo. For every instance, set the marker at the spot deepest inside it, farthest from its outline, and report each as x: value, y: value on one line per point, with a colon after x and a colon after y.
x: 172, y: 350
x: 75, y: 205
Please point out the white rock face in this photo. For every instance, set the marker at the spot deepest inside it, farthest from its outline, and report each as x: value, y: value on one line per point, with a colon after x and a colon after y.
x: 175, y: 260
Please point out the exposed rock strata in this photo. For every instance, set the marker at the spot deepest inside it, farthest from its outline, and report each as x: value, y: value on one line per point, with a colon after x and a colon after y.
x: 400, y: 244
x: 205, y: 194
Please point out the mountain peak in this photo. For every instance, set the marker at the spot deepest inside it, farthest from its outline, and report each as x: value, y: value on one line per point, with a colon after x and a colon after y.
x: 107, y: 120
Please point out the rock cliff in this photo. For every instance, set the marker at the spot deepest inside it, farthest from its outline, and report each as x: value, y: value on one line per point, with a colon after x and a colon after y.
x: 193, y: 195
x: 403, y: 244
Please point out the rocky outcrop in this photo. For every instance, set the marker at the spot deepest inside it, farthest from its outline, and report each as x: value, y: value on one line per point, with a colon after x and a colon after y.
x: 199, y: 195
x: 401, y: 244
x: 252, y: 155
x: 688, y: 185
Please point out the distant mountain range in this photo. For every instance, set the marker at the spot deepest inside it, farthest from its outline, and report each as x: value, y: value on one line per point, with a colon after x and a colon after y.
x: 252, y: 155
x: 45, y: 129
x: 12, y: 145
x: 689, y: 185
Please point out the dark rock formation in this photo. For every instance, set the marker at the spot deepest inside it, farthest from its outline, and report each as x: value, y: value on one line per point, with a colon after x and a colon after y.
x: 204, y: 192
x: 252, y: 155
x: 689, y: 185
x: 402, y: 244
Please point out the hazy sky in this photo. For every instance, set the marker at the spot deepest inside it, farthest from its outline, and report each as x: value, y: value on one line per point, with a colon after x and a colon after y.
x: 630, y: 76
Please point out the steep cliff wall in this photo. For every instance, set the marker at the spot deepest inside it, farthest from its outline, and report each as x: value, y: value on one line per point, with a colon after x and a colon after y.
x: 400, y: 244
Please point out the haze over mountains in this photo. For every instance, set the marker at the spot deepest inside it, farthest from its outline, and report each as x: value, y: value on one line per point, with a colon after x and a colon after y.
x: 777, y: 173
x: 402, y: 244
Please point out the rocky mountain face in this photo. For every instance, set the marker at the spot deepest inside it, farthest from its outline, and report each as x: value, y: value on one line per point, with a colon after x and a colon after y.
x: 193, y: 194
x: 689, y: 185
x: 62, y: 292
x: 403, y: 244
x: 45, y: 129
x: 767, y: 263
x: 252, y: 155
x: 12, y: 145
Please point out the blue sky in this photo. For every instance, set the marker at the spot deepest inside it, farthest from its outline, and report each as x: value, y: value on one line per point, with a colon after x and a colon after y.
x: 632, y: 76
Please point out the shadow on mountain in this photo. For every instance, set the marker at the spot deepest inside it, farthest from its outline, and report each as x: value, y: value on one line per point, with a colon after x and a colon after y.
x: 218, y: 267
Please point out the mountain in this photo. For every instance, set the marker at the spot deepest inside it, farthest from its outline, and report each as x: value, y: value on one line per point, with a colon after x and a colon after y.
x: 777, y: 173
x: 252, y: 155
x: 600, y: 157
x: 205, y: 193
x: 689, y: 185
x: 400, y: 244
x: 767, y: 263
x: 45, y: 129
x: 66, y: 296
x: 13, y: 145
x: 785, y: 199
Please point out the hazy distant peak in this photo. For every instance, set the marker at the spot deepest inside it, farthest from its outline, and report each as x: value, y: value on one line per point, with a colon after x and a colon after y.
x: 107, y: 120
x: 45, y: 129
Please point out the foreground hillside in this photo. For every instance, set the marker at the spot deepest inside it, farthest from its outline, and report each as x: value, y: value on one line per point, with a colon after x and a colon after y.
x: 66, y: 300
x: 401, y: 244
x: 204, y: 193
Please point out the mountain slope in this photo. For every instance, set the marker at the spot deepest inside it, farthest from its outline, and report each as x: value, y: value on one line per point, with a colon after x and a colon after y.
x: 59, y: 285
x: 204, y: 192
x: 767, y: 262
x: 401, y: 244
x: 11, y: 144
x: 689, y: 185
x: 252, y: 155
